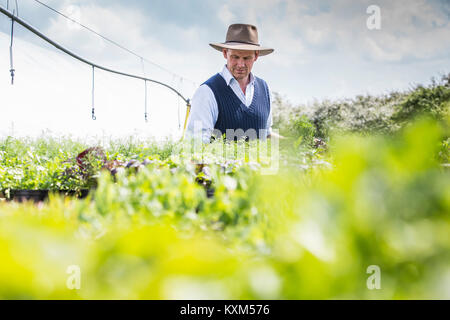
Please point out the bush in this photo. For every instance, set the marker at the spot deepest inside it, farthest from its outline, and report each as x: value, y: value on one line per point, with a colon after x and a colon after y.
x: 433, y: 101
x: 366, y: 114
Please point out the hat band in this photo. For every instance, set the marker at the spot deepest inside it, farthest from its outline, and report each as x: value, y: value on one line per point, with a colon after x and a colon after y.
x: 244, y: 42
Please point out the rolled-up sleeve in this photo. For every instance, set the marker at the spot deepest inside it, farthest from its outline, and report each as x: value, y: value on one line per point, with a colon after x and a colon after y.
x: 203, y: 115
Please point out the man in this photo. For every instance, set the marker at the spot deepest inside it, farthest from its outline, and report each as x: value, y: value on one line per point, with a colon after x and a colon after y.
x: 234, y: 102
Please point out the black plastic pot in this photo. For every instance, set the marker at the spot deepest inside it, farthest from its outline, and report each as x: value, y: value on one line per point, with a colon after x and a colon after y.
x: 41, y: 195
x: 28, y: 195
x: 210, y: 192
x: 71, y: 193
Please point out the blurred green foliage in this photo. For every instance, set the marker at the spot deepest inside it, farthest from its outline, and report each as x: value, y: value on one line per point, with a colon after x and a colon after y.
x: 298, y: 234
x: 361, y: 182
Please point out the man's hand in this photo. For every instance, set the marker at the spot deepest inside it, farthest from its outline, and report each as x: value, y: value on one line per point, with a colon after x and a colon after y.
x: 275, y: 135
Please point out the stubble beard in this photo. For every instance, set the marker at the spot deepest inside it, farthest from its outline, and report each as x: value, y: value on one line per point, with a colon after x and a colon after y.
x: 241, y: 76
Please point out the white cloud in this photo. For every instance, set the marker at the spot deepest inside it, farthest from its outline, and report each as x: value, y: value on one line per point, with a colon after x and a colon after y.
x: 409, y: 30
x: 319, y: 46
x: 112, y: 22
x: 225, y: 15
x: 405, y: 24
x: 124, y: 25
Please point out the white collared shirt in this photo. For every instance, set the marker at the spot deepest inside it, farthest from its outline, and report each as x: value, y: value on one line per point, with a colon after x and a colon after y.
x: 204, y: 109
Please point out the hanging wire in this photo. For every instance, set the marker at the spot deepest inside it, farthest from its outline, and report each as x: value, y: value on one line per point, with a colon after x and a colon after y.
x: 177, y: 83
x: 180, y: 88
x: 145, y: 76
x: 93, y: 87
x: 11, y: 70
x: 11, y: 62
x: 146, y: 114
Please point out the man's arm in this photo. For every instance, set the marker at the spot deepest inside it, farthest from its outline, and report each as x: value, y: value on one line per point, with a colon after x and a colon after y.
x: 204, y: 113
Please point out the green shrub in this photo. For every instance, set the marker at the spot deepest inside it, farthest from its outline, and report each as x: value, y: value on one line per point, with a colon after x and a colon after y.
x: 433, y: 101
x: 302, y: 130
x: 368, y: 114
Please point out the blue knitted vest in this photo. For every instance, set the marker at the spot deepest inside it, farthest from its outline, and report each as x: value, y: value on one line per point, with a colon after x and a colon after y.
x: 233, y: 114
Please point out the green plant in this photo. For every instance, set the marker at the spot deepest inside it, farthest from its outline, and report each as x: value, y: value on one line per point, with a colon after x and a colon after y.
x: 297, y: 234
x: 433, y: 101
x: 302, y: 130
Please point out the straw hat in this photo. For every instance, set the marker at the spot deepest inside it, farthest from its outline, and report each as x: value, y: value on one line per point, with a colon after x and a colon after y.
x: 242, y: 37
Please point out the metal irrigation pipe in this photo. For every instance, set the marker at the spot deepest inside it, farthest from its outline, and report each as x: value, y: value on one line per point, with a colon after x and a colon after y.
x: 70, y: 53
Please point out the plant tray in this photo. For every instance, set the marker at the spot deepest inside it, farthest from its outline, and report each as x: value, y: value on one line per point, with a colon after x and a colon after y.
x: 40, y: 195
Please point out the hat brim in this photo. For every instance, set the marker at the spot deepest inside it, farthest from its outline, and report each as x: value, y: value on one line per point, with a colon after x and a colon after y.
x: 242, y: 46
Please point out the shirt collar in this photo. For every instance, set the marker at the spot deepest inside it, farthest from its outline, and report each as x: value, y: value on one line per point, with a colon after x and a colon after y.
x: 226, y: 74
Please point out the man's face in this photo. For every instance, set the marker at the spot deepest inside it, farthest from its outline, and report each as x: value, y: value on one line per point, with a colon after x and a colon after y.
x: 240, y: 62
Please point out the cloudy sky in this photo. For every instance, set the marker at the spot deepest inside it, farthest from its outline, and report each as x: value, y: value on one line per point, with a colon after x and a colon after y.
x: 323, y: 49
